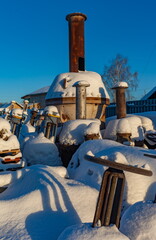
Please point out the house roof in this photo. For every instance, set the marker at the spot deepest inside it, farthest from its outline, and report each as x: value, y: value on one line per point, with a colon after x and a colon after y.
x: 39, y: 91
x: 6, y: 105
x: 150, y: 93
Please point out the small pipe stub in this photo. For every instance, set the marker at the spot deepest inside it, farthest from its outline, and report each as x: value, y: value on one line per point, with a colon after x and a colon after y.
x: 68, y: 17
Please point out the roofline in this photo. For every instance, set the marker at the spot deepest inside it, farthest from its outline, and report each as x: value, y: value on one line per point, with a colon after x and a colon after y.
x: 150, y: 93
x: 34, y: 94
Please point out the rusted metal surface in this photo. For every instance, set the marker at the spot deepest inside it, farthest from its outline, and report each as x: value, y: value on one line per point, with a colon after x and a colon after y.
x: 14, y: 125
x: 92, y: 136
x: 66, y: 152
x: 71, y: 100
x: 95, y: 107
x: 122, y: 137
x: 110, y: 198
x: 10, y: 152
x: 25, y: 105
x: 48, y: 130
x: 2, y: 189
x: 120, y: 102
x: 119, y: 166
x: 33, y: 117
x: 109, y: 202
x: 150, y: 155
x: 76, y: 41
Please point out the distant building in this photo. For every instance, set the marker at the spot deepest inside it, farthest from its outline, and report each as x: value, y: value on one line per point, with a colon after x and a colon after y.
x: 37, y: 97
x: 8, y: 106
x: 150, y: 95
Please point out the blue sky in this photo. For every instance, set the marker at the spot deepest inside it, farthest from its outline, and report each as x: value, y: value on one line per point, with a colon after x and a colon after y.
x: 34, y: 41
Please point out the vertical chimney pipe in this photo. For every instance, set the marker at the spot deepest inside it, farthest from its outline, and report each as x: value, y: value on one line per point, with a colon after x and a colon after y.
x: 81, y: 99
x: 120, y: 101
x: 76, y: 41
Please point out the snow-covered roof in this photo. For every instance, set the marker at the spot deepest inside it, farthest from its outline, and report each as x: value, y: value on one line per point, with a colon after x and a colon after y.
x: 147, y: 96
x: 6, y: 105
x: 39, y: 91
x: 63, y: 85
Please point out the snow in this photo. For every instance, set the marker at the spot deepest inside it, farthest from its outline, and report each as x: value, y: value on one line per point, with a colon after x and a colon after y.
x: 121, y: 84
x: 139, y: 221
x: 8, y: 141
x: 40, y: 150
x: 86, y: 232
x: 138, y: 187
x: 136, y: 125
x: 73, y: 131
x: 17, y: 112
x: 51, y: 110
x: 6, y: 167
x: 39, y: 204
x: 81, y: 84
x: 47, y: 201
x: 92, y: 128
x: 11, y: 143
x: 4, y: 124
x: 149, y: 115
x: 27, y: 132
x: 123, y: 126
x: 62, y: 85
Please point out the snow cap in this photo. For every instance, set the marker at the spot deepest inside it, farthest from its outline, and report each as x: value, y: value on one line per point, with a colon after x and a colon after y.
x: 63, y: 85
x: 120, y: 85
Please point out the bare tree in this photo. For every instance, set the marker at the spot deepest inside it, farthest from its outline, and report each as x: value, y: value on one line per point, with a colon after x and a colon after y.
x: 119, y: 71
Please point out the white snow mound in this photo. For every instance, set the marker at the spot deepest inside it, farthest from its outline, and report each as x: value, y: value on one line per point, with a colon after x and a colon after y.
x: 73, y: 131
x: 86, y: 232
x: 139, y: 221
x: 62, y: 85
x: 39, y: 204
x: 137, y: 187
x: 40, y: 150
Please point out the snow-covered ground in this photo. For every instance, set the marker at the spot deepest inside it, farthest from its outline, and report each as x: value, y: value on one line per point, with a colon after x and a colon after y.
x: 47, y: 201
x: 40, y: 204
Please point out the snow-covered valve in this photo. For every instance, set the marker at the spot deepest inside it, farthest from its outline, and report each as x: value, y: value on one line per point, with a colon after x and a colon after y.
x: 50, y: 122
x: 16, y: 121
x: 109, y: 203
x: 34, y: 113
x: 81, y: 99
x: 25, y: 105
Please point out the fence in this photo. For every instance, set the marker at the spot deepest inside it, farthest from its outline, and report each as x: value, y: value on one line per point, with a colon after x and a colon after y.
x: 133, y: 107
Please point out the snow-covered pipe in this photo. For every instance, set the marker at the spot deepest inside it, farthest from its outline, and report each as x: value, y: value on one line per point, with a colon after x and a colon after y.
x: 25, y: 105
x: 81, y: 99
x: 76, y: 41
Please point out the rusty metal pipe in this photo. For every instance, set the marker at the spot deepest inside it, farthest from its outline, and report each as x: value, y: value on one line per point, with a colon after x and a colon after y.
x: 76, y: 41
x: 120, y: 102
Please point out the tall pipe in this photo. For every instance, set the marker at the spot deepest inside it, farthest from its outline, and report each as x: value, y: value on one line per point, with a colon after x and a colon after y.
x: 81, y: 99
x: 76, y: 41
x: 120, y: 101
